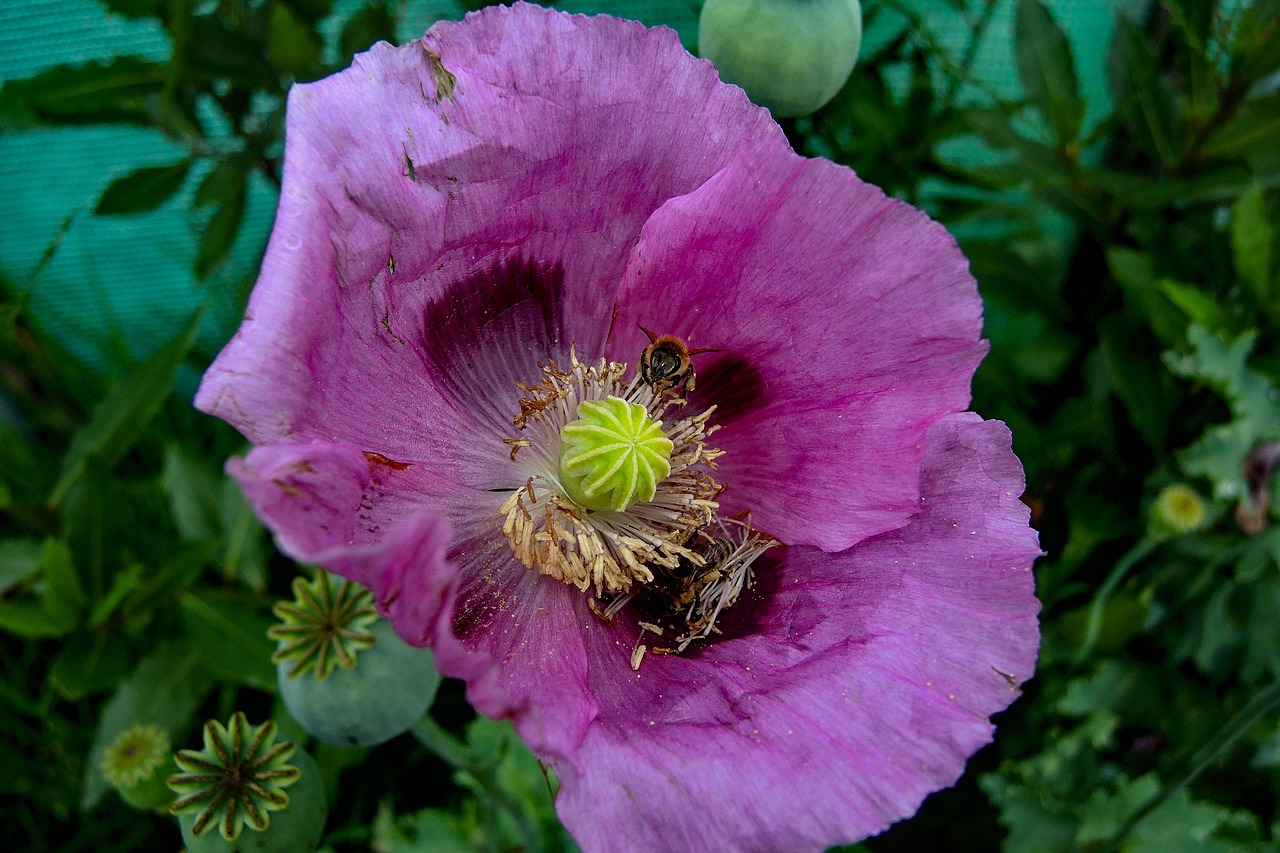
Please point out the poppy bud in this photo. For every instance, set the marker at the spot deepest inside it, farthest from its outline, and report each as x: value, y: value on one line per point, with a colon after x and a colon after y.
x: 791, y: 56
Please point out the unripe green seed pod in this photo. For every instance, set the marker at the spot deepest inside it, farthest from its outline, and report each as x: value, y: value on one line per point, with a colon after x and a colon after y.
x: 388, y: 690
x: 791, y: 56
x: 1177, y: 509
x: 136, y: 763
x: 294, y: 829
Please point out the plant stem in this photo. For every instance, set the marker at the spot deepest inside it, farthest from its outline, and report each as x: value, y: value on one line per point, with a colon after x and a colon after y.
x: 1097, y: 610
x: 1257, y: 708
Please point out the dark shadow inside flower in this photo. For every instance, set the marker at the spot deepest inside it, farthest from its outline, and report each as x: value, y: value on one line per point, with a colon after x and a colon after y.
x: 754, y: 607
x: 732, y: 384
x: 491, y: 328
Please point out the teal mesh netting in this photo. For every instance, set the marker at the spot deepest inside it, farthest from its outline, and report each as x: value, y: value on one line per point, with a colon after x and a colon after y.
x: 116, y: 287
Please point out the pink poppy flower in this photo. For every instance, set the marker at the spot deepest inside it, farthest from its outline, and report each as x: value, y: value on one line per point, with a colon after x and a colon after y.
x: 474, y: 233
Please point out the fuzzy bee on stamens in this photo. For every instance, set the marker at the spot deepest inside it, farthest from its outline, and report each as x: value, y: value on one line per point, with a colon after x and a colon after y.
x: 667, y: 364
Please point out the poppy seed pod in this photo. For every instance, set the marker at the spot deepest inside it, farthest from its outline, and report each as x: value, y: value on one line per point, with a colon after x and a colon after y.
x: 791, y: 56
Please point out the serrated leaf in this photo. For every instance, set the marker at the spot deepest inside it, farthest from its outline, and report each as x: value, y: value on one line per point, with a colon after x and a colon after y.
x: 1182, y: 825
x: 143, y: 189
x: 1047, y: 71
x: 1254, y: 402
x: 518, y: 773
x: 114, y: 91
x: 425, y: 831
x: 118, y: 420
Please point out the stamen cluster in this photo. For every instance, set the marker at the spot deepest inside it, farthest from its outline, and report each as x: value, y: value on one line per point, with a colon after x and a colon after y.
x: 606, y: 549
x: 665, y: 552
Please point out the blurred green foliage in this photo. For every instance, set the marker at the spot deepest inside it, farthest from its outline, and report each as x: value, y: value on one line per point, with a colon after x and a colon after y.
x: 1125, y: 243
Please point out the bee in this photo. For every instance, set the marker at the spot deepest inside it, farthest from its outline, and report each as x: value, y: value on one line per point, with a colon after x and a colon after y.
x: 667, y: 363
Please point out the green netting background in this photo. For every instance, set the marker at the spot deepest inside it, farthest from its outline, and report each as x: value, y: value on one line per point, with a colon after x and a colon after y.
x: 117, y: 286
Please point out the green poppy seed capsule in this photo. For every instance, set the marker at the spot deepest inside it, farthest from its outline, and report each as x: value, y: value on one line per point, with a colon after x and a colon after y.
x: 1178, y: 509
x: 791, y: 56
x: 613, y: 456
x: 236, y: 781
x: 134, y: 762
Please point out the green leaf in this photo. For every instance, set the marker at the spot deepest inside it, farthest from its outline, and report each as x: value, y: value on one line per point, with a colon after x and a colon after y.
x: 1047, y: 70
x: 1254, y: 402
x: 371, y: 24
x: 1035, y: 159
x: 89, y: 662
x: 114, y: 91
x: 1251, y: 241
x: 223, y: 228
x: 64, y: 597
x: 1193, y: 18
x: 1134, y: 273
x: 225, y: 179
x: 173, y: 576
x: 1039, y: 797
x: 1104, y: 812
x: 1255, y: 45
x: 123, y: 583
x: 518, y: 773
x: 1143, y: 96
x: 118, y: 420
x: 19, y: 560
x: 1141, y: 382
x: 292, y: 45
x: 246, y: 552
x: 232, y: 633
x: 425, y: 831
x: 165, y: 689
x: 55, y: 602
x: 193, y: 493
x: 1182, y: 825
x: 143, y: 189
x: 1200, y: 307
x: 1252, y: 132
x: 218, y: 53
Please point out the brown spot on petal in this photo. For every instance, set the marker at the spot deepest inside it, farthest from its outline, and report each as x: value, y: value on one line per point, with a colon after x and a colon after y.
x: 379, y: 459
x: 445, y: 82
